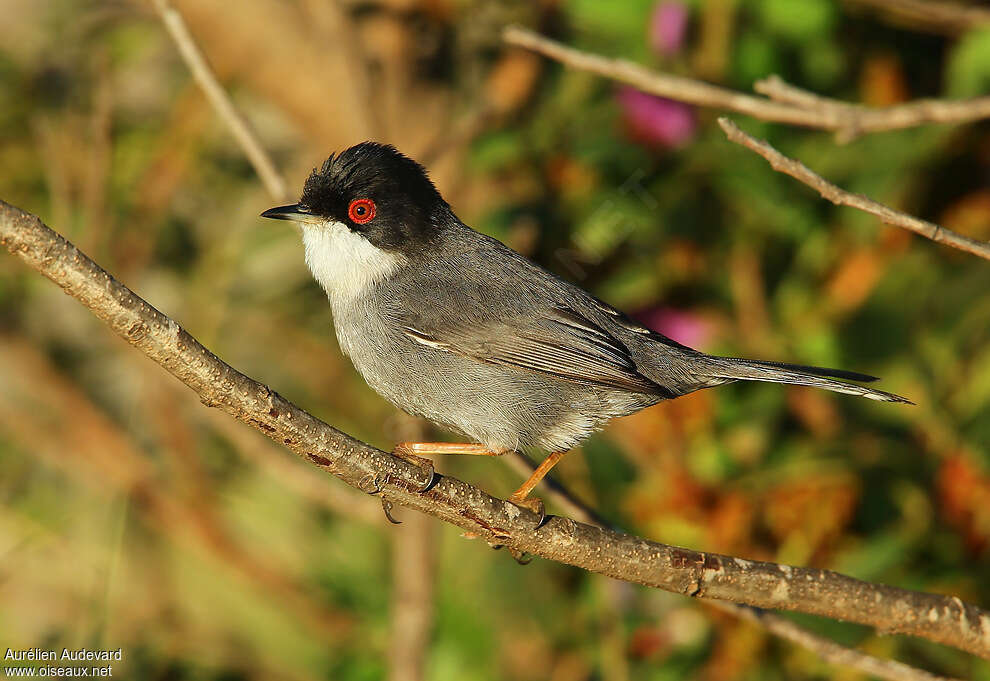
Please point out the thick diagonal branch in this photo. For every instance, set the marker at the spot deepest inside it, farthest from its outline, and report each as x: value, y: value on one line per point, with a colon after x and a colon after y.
x: 943, y: 619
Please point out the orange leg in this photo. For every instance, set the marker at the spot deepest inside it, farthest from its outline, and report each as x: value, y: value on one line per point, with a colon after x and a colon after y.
x: 412, y: 451
x: 428, y: 448
x: 519, y: 497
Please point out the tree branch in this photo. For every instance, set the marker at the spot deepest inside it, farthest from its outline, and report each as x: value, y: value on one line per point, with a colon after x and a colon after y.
x: 946, y: 620
x: 846, y: 120
x: 218, y: 97
x: 826, y: 649
x: 950, y: 18
x: 841, y: 197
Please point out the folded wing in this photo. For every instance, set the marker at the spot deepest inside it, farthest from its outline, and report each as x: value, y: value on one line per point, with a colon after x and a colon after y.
x: 559, y: 342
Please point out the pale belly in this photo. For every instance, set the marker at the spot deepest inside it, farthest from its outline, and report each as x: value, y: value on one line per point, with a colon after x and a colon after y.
x: 501, y: 407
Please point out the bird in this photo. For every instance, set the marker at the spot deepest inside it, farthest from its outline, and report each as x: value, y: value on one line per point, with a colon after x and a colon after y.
x: 454, y: 326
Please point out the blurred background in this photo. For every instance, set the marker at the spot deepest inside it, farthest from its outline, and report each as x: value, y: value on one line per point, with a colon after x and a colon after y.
x: 131, y: 516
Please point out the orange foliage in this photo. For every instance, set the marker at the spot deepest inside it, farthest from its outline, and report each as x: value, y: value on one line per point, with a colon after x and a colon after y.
x: 882, y: 81
x: 814, y: 511
x: 855, y: 279
x: 970, y: 215
x: 512, y: 80
x: 964, y: 497
x: 815, y: 410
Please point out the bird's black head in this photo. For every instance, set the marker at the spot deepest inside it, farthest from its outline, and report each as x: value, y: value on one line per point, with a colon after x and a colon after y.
x: 376, y: 191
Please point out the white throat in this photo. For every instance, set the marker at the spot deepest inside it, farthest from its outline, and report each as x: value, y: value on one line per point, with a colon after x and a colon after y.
x: 344, y: 262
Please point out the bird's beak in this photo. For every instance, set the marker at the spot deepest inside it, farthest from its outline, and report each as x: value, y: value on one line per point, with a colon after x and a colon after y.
x: 293, y: 212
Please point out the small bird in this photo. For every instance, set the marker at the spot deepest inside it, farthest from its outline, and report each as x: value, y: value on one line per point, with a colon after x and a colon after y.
x: 452, y: 325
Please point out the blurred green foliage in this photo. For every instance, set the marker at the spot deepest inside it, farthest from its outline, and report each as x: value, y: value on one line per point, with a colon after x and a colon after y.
x: 131, y: 516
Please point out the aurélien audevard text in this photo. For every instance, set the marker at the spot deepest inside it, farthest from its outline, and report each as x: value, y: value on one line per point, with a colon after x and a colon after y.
x: 65, y: 654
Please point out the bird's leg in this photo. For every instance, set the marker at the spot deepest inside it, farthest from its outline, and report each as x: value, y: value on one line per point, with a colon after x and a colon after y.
x: 412, y: 451
x: 519, y: 497
x: 443, y: 448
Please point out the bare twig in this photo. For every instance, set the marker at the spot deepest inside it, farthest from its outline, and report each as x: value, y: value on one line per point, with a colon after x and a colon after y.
x: 847, y: 120
x: 943, y: 619
x: 828, y: 650
x: 950, y: 18
x: 841, y: 197
x: 221, y: 101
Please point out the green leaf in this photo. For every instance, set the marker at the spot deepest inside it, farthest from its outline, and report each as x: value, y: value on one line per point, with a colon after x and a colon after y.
x: 755, y: 58
x: 968, y: 72
x: 628, y: 18
x: 798, y: 21
x: 823, y: 62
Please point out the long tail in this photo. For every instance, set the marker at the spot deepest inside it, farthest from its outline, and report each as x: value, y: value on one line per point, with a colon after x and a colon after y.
x: 730, y: 369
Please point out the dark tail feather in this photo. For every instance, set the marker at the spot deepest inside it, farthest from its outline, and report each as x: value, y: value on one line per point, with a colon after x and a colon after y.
x: 814, y: 371
x: 728, y: 368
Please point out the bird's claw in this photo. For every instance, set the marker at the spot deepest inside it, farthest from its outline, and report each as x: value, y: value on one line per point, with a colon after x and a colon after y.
x: 372, y: 484
x: 434, y: 477
x: 387, y: 508
x: 520, y: 557
x: 421, y: 462
x: 534, y: 505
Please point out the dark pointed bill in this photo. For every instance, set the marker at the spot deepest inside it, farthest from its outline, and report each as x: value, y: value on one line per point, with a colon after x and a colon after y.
x: 294, y: 212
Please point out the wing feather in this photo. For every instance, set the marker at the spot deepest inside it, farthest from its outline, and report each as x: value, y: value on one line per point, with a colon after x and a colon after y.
x: 560, y: 342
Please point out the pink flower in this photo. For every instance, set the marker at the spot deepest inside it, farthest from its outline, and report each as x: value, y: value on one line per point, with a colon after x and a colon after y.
x: 654, y: 120
x: 683, y: 327
x: 668, y: 26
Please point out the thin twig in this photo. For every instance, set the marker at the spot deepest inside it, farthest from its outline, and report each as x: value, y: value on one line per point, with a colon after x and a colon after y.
x: 826, y: 649
x: 942, y: 619
x: 221, y: 101
x: 933, y: 16
x: 847, y: 120
x: 841, y: 197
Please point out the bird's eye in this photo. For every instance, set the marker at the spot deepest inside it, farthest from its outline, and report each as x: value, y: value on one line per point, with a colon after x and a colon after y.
x: 361, y: 210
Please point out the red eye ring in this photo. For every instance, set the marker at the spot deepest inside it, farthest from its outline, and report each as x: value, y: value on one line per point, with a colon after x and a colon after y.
x: 361, y: 211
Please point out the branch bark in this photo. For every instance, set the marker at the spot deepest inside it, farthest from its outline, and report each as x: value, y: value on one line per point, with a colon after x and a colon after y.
x: 841, y: 197
x: 846, y: 120
x: 933, y: 16
x: 946, y: 620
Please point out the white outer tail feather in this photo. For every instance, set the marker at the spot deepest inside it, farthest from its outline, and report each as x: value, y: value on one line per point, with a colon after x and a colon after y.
x: 729, y: 369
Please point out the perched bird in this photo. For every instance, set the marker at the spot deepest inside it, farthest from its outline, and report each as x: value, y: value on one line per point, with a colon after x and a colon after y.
x: 454, y: 326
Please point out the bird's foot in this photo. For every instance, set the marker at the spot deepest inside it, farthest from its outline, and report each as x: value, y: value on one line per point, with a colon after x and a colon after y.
x: 531, y: 504
x: 520, y: 557
x: 387, y: 508
x: 405, y: 452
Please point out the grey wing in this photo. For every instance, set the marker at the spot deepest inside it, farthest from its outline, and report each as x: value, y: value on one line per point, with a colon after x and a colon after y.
x: 558, y: 341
